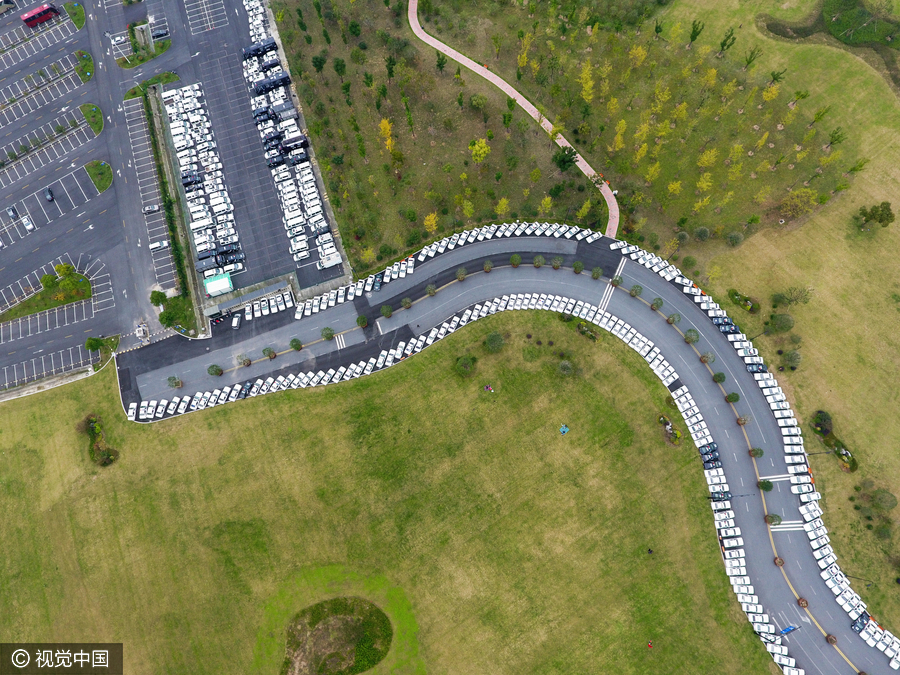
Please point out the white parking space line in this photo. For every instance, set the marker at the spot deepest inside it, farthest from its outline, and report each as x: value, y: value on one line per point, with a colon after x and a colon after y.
x: 205, y: 15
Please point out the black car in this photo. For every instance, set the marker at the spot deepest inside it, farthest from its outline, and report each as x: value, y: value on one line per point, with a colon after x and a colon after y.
x: 376, y: 286
x: 709, y: 447
x: 230, y: 258
x: 11, y: 212
x: 48, y: 194
x: 277, y: 160
x: 729, y: 328
x: 722, y: 320
x: 712, y: 465
x: 860, y: 622
x: 756, y: 368
x: 228, y: 248
x: 720, y: 496
x: 710, y: 456
x: 245, y: 390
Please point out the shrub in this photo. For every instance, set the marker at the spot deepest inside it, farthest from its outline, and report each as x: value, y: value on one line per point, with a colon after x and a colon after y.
x: 362, y: 321
x: 538, y: 261
x: 431, y: 289
x: 578, y: 266
x: 494, y: 342
x: 702, y: 233
x: 565, y: 368
x: 616, y: 281
x: 734, y: 239
x: 756, y: 452
x: 596, y: 273
x: 765, y: 485
x: 636, y: 291
x: 488, y: 266
x: 691, y: 336
x: 674, y: 318
x: 214, y: 370
x: 822, y: 422
x: 733, y: 397
x: 719, y: 378
x: 93, y: 344
x: 387, y: 311
x: 515, y: 260
x: 461, y: 274
x: 744, y: 420
x: 327, y: 333
x: 689, y: 262
x: 773, y: 519
x: 465, y: 365
x: 656, y: 304
x: 296, y: 345
x: 268, y: 352
x: 707, y: 357
x: 406, y: 303
x: 157, y: 298
x: 557, y: 262
x: 782, y: 323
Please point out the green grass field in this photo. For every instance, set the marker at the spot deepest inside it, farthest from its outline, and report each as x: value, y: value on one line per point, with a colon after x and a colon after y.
x: 492, y: 542
x: 85, y: 65
x: 49, y: 298
x: 100, y: 173
x: 161, y: 78
x: 75, y: 10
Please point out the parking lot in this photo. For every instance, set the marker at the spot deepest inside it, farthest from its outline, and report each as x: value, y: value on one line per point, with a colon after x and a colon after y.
x: 204, y: 15
x: 37, y: 44
x: 36, y: 159
x: 45, y: 365
x: 21, y: 33
x: 148, y: 186
x: 70, y: 192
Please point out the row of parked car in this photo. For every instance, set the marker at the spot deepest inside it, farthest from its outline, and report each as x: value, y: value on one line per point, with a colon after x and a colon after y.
x: 212, y: 223
x: 801, y: 481
x: 285, y: 146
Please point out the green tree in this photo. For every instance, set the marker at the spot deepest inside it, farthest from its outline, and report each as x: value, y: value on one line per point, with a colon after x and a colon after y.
x: 773, y: 519
x: 494, y: 342
x: 691, y: 335
x: 792, y: 359
x: 880, y: 213
x: 441, y: 62
x: 319, y: 61
x: 488, y: 266
x: 751, y: 56
x: 636, y: 290
x: 781, y: 323
x: 362, y: 321
x: 697, y: 27
x: 765, y: 485
x: 387, y: 311
x: 406, y: 303
x: 757, y: 452
x: 461, y: 274
x: 296, y: 345
x: 173, y: 382
x: 157, y: 298
x: 707, y: 357
x: 596, y: 273
x: 656, y: 304
x: 556, y: 262
x: 538, y: 261
x: 565, y: 158
x: 48, y: 281
x: 733, y: 397
x: 616, y: 281
x: 577, y: 267
x: 327, y: 333
x: 93, y: 344
x: 515, y: 260
x: 798, y: 202
x: 390, y: 63
x: 269, y: 353
x: 214, y: 370
x: 431, y: 289
x: 727, y: 42
x: 465, y: 365
x: 719, y: 378
x: 340, y: 67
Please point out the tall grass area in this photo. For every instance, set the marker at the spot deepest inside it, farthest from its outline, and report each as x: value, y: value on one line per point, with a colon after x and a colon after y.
x: 493, y: 542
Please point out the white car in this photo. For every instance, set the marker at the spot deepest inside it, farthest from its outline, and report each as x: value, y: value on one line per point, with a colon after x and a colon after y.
x: 730, y: 532
x: 801, y: 479
x: 802, y: 489
x: 132, y: 410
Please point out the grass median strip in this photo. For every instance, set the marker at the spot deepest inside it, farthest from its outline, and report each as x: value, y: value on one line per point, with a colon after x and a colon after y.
x: 100, y: 173
x: 138, y: 90
x: 65, y: 287
x: 94, y: 117
x: 485, y: 535
x: 75, y: 10
x: 85, y: 65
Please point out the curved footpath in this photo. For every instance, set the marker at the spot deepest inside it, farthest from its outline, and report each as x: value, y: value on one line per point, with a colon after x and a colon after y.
x: 770, y: 594
x: 596, y: 178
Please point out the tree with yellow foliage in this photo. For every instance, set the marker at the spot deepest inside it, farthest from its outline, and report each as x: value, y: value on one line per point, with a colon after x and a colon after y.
x: 480, y: 150
x: 707, y: 158
x: 637, y: 54
x: 770, y: 93
x: 639, y: 154
x: 430, y: 223
x: 584, y: 210
x: 384, y: 130
x: 652, y: 172
x: 502, y: 207
x: 612, y: 106
x: 522, y: 59
x: 675, y: 187
x: 468, y: 208
x: 546, y: 205
x: 586, y: 80
x: 705, y: 182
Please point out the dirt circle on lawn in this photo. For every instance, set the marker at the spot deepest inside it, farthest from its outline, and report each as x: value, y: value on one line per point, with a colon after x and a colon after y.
x: 340, y: 636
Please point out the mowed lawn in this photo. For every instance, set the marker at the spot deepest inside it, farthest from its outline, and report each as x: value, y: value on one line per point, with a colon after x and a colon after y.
x: 851, y: 345
x: 494, y: 543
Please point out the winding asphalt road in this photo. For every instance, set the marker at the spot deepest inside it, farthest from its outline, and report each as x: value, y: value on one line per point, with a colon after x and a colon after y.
x: 143, y: 373
x: 596, y: 178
